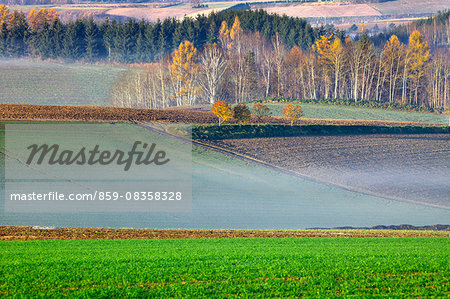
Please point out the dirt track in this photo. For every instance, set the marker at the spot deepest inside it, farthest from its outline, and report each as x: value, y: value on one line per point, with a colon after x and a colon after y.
x: 183, y: 115
x: 26, y: 233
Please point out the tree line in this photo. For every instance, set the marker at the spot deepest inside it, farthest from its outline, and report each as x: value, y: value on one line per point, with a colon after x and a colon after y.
x: 240, y: 56
x: 42, y: 34
x: 243, y: 66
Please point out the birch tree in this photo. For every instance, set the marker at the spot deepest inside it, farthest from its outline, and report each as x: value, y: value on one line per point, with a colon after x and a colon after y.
x: 212, y: 69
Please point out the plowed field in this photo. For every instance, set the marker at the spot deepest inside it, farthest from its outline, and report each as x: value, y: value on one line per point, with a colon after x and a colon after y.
x: 25, y: 233
x: 407, y: 167
x: 111, y: 114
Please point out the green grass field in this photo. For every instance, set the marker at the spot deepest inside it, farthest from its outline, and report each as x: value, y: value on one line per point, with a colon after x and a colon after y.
x: 394, y: 267
x: 48, y: 83
x: 349, y: 112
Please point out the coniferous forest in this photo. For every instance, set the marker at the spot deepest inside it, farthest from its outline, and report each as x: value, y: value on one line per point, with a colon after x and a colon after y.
x: 42, y: 34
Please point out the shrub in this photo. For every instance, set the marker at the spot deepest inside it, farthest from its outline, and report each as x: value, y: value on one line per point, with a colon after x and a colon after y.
x: 241, y: 113
x: 260, y: 110
x: 292, y: 113
x: 223, y: 111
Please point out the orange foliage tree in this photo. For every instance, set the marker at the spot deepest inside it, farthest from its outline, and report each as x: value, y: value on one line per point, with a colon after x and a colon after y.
x: 37, y: 19
x: 223, y: 111
x: 292, y: 112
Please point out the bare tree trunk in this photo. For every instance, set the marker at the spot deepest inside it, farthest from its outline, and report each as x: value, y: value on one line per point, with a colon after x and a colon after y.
x: 279, y: 62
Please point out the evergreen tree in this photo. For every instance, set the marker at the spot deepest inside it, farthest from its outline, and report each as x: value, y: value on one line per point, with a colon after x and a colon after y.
x: 16, y: 39
x: 57, y: 37
x: 43, y: 44
x: 139, y: 55
x: 79, y: 39
x: 149, y: 42
x: 91, y: 40
x: 69, y: 46
x: 3, y: 42
x: 177, y: 37
x: 212, y: 33
x: 107, y: 29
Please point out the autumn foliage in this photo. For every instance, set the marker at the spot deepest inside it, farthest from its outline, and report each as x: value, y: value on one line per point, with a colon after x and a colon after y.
x: 223, y: 111
x: 292, y: 113
x: 183, y: 70
x: 37, y: 19
x: 4, y: 14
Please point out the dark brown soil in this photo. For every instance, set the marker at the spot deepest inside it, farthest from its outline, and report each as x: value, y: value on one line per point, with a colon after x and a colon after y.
x: 182, y: 115
x: 27, y: 233
x: 77, y: 113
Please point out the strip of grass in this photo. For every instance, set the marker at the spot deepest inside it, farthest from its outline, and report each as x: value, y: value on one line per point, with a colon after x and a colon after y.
x: 349, y: 102
x: 230, y: 131
x: 405, y: 267
x: 330, y: 111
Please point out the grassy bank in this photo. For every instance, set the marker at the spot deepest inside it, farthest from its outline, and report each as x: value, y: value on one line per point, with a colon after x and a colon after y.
x: 228, y: 131
x: 405, y: 267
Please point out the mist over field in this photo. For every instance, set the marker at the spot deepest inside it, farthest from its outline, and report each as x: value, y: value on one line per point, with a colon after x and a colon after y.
x: 229, y: 193
x: 405, y: 167
x: 52, y: 83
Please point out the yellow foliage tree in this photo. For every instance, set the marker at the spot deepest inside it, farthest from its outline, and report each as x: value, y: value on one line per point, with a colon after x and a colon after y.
x: 224, y: 34
x: 223, y: 111
x: 419, y: 56
x: 184, y: 70
x: 392, y: 62
x: 331, y: 58
x: 362, y: 28
x: 4, y: 14
x: 236, y: 29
